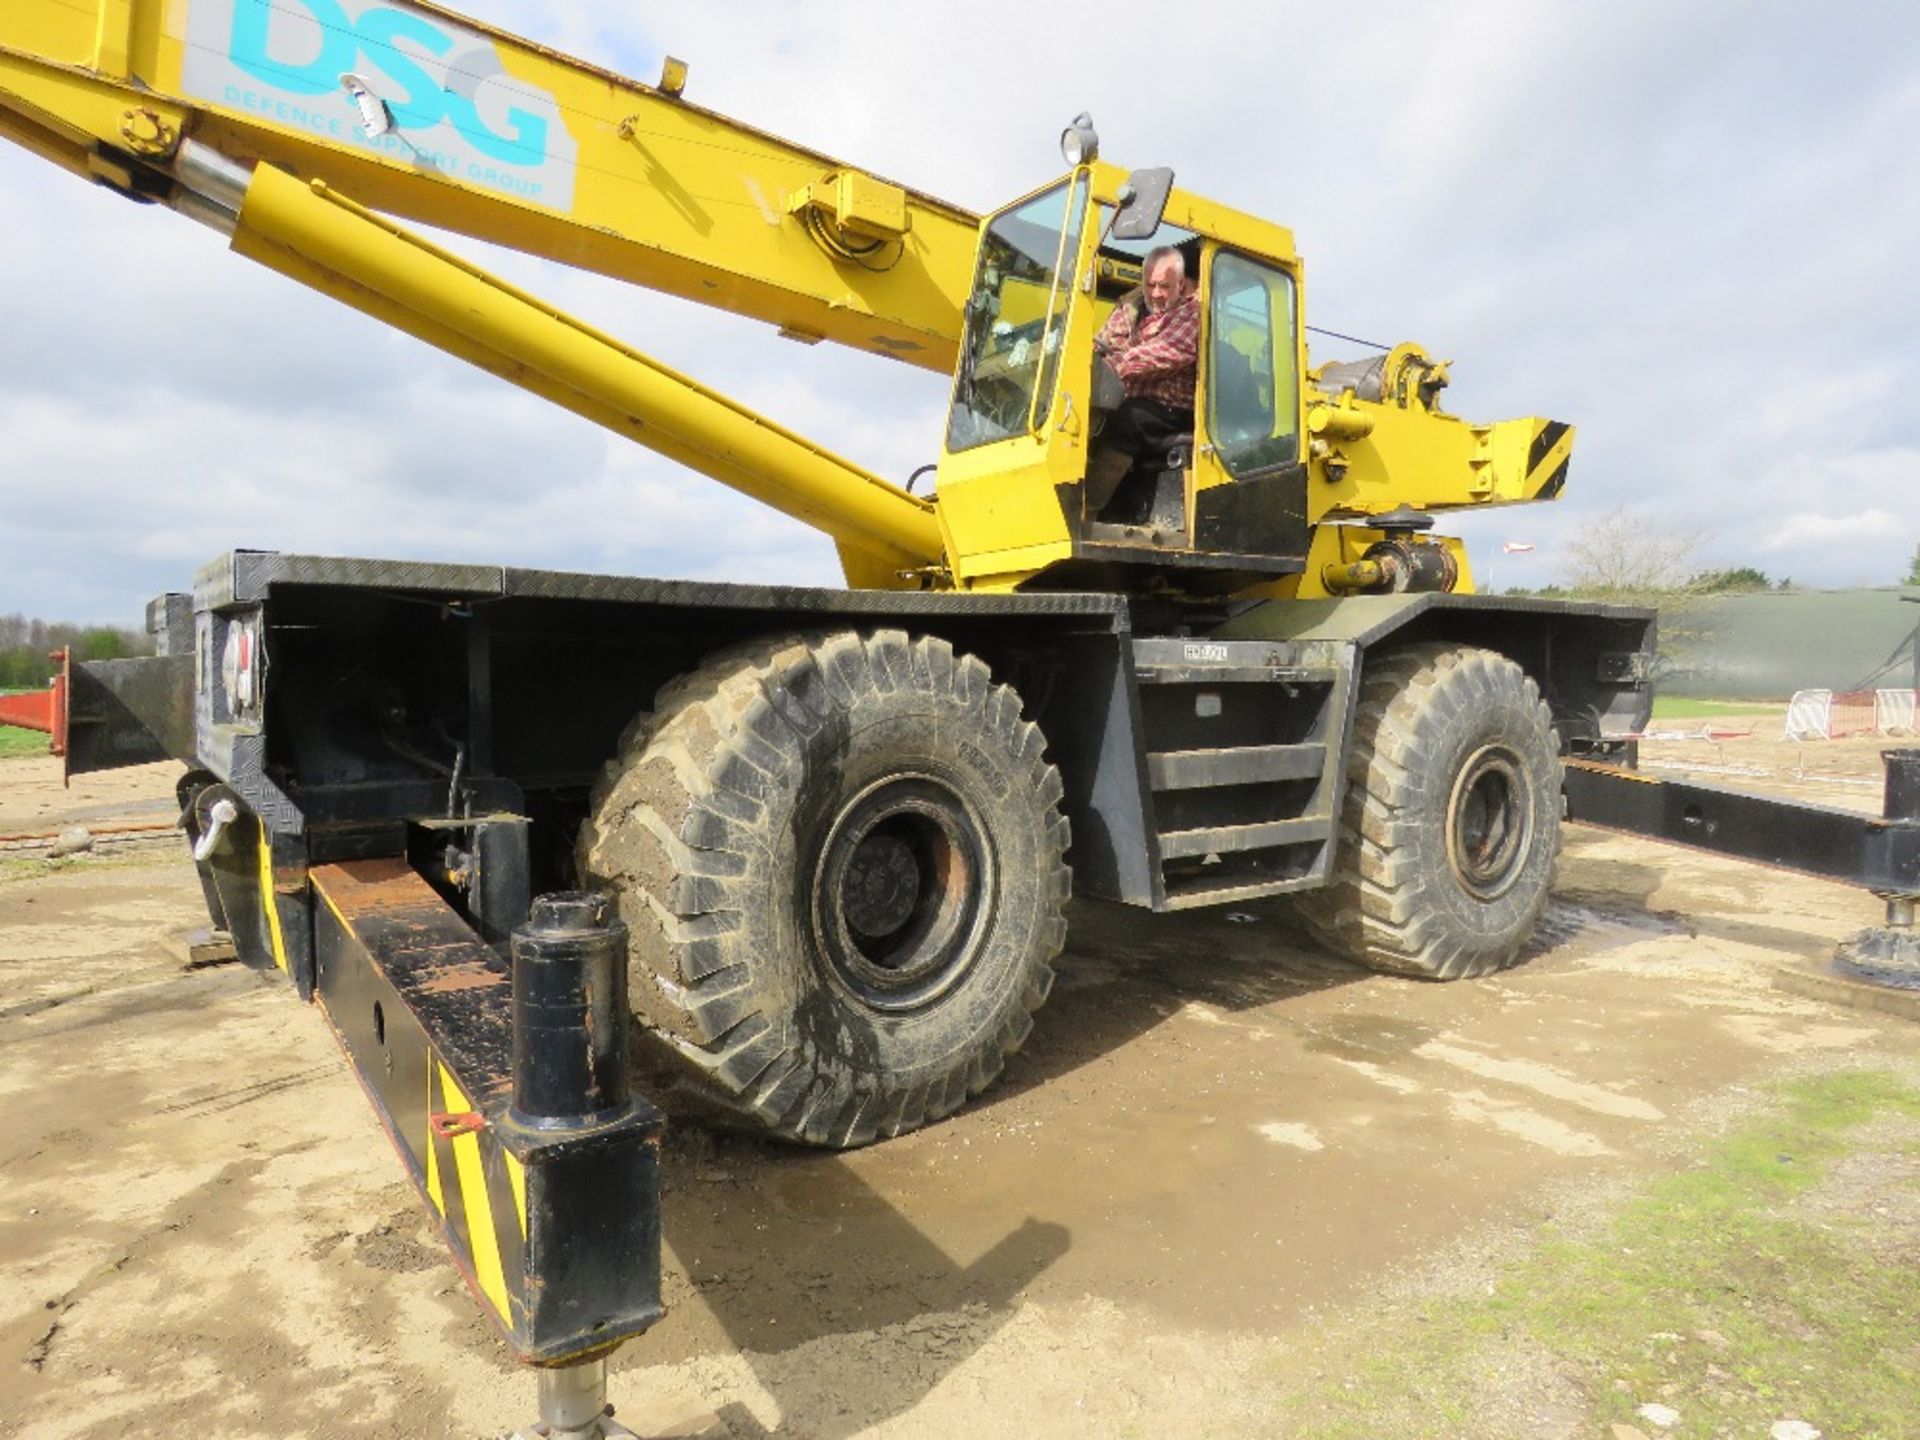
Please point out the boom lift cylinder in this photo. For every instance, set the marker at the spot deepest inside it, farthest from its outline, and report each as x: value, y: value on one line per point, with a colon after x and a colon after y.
x: 327, y: 242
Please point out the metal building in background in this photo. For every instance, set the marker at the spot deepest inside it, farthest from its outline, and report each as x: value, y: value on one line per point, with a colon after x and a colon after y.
x: 1767, y: 646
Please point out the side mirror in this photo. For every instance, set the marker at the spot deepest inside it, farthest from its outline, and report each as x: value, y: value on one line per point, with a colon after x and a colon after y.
x: 1143, y: 200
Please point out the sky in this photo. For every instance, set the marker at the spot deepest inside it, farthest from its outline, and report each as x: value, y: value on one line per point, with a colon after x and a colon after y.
x: 1689, y: 229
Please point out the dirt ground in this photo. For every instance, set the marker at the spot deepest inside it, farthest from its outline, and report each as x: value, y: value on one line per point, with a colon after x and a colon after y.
x: 1218, y: 1150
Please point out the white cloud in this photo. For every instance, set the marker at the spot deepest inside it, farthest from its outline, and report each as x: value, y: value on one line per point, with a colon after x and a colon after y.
x: 1809, y: 528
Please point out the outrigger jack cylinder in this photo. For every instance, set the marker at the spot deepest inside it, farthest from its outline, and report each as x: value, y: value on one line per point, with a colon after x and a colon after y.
x: 570, y: 987
x: 569, y: 981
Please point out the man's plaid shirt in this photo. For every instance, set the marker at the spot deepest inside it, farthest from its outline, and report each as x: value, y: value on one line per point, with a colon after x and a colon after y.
x: 1155, y: 352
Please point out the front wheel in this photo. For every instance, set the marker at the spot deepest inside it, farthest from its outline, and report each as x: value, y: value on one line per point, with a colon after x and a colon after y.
x: 841, y: 860
x: 1451, y: 822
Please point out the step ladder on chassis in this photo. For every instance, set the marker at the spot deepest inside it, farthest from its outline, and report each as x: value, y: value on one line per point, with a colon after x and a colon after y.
x: 1244, y: 744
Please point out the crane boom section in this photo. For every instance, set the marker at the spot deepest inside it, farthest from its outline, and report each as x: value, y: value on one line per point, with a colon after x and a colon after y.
x: 343, y: 250
x: 421, y: 113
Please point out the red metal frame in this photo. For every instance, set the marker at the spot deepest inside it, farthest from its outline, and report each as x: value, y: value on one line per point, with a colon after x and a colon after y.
x: 62, y: 682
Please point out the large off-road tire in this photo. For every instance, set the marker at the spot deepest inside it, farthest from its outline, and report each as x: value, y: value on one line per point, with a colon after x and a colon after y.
x: 1451, y: 823
x: 841, y: 859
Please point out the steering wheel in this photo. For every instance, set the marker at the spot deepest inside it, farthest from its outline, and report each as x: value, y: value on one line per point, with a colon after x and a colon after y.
x: 1108, y: 388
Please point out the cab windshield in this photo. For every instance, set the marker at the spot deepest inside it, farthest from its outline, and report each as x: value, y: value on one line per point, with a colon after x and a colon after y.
x: 1017, y: 318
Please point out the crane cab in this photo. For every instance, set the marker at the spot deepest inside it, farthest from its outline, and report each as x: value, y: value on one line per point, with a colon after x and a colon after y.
x: 1032, y: 493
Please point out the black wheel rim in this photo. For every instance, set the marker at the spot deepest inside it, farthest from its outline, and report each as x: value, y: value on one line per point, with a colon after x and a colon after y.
x: 903, y: 892
x: 1489, y: 822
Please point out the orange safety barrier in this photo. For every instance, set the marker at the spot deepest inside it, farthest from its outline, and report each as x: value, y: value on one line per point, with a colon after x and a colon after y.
x: 43, y: 710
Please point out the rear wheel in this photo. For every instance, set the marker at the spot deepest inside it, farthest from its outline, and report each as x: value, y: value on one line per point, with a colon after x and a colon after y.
x: 1451, y: 822
x: 842, y: 862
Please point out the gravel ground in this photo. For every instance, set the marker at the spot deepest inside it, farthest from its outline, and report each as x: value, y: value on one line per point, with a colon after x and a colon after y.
x: 1218, y: 1159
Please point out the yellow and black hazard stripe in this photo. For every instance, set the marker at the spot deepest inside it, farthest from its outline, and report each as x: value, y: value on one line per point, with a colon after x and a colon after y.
x: 1548, y: 459
x: 480, y: 1191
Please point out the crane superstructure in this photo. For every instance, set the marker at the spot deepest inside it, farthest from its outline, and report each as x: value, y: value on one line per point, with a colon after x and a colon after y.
x: 305, y: 129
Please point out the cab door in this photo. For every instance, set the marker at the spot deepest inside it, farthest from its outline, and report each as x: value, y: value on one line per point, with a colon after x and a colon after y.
x: 1249, y: 471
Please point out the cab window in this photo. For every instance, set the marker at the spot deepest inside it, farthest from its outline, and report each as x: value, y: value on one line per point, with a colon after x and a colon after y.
x: 1252, y: 385
x: 1017, y: 318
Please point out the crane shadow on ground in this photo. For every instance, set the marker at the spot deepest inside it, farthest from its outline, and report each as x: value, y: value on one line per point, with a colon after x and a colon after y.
x: 1626, y: 891
x: 1127, y: 971
x: 846, y: 1312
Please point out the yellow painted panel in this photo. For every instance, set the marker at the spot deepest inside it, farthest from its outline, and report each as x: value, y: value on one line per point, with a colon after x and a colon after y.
x: 1411, y: 458
x: 268, y: 901
x: 517, y: 1181
x: 435, y: 1192
x: 987, y: 516
x: 62, y: 33
x: 479, y: 1205
x: 1008, y: 569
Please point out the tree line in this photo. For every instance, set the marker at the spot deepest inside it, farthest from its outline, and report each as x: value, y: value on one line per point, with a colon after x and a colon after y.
x: 1622, y: 557
x: 26, y: 645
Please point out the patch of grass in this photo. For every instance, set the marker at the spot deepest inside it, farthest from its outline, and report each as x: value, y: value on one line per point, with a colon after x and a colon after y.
x: 1679, y: 707
x: 1708, y: 1293
x: 15, y: 741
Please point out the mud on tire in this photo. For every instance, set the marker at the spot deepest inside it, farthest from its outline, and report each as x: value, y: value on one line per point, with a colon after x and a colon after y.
x: 842, y: 862
x: 1451, y: 822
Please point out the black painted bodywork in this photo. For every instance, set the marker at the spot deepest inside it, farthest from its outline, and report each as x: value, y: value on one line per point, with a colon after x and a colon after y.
x: 400, y: 694
x: 565, y: 1259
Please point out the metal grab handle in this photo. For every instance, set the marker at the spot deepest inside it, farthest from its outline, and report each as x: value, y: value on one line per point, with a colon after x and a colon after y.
x: 223, y: 814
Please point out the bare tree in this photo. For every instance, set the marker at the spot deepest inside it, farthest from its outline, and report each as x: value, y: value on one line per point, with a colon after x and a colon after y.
x: 1623, y: 555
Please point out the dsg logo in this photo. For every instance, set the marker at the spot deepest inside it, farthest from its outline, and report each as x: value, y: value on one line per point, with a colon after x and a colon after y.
x: 455, y: 108
x: 419, y: 103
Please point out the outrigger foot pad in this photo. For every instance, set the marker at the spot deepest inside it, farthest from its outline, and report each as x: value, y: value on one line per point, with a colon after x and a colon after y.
x: 1882, y: 955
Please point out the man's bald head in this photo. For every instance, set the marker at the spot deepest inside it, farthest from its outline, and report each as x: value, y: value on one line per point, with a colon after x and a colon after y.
x: 1165, y: 277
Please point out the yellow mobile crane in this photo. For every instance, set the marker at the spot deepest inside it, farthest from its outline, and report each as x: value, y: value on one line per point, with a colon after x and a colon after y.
x: 835, y: 831
x: 481, y: 133
x: 842, y: 825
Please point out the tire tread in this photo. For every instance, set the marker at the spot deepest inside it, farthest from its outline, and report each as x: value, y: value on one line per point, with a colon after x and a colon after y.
x: 680, y: 821
x: 1371, y: 912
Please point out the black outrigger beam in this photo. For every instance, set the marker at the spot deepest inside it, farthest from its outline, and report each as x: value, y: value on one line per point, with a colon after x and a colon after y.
x: 1880, y: 853
x: 504, y: 1088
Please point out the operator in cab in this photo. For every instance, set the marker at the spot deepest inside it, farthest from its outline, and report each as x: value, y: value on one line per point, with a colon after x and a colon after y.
x: 1152, y: 341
